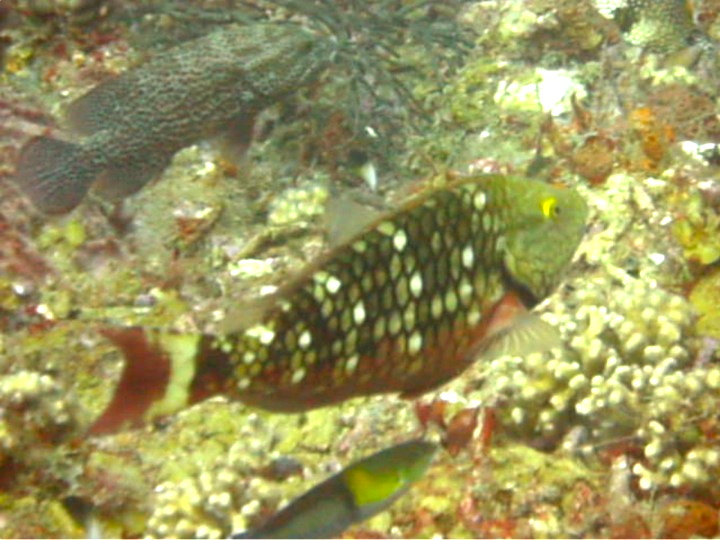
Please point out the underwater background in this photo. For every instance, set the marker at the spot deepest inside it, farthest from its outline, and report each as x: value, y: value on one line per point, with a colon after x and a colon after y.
x: 116, y: 213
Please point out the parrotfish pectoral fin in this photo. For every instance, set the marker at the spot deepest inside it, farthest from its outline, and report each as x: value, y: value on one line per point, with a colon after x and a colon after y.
x: 156, y: 378
x: 54, y: 174
x: 527, y: 334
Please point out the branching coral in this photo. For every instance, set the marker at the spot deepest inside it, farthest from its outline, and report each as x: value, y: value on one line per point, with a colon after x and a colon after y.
x: 626, y: 377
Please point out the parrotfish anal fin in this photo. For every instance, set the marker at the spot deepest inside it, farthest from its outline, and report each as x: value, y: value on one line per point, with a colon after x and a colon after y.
x: 54, y: 174
x: 143, y: 382
x: 121, y: 180
x: 236, y: 139
x: 101, y: 107
x: 345, y: 218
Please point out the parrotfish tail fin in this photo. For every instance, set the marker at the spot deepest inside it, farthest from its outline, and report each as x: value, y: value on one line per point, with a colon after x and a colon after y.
x: 163, y: 373
x: 54, y: 174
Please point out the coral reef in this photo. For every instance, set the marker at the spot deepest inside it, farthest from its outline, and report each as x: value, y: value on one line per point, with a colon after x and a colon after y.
x: 625, y: 377
x: 36, y: 411
x: 614, y: 434
x: 214, y: 503
x: 622, y: 334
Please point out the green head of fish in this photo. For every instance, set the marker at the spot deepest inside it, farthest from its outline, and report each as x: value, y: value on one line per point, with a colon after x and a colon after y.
x: 545, y: 226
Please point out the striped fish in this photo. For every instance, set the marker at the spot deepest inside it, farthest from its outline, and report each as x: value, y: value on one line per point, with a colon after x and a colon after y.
x: 404, y: 306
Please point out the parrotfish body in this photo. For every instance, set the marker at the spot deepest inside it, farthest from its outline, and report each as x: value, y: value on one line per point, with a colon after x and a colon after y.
x: 133, y: 124
x: 403, y: 306
x: 356, y: 493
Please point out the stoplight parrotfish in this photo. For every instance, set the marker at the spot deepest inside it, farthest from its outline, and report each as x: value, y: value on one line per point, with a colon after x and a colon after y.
x: 358, y: 492
x: 405, y: 305
x: 133, y: 124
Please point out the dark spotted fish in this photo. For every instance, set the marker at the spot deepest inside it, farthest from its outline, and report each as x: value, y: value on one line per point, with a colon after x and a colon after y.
x: 659, y: 25
x: 134, y: 124
x: 358, y: 492
x: 404, y: 306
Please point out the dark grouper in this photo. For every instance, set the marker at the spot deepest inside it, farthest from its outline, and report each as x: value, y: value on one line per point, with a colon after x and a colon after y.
x: 136, y: 122
x: 404, y: 306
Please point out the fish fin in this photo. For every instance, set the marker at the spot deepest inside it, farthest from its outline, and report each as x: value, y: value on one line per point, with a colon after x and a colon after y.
x: 120, y: 180
x: 236, y: 139
x: 345, y: 218
x: 54, y: 174
x: 527, y: 334
x: 156, y: 378
x: 248, y: 313
x: 101, y: 107
x: 686, y: 57
x: 510, y: 330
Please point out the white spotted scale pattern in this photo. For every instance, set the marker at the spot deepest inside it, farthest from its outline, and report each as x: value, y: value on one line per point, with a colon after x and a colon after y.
x: 402, y: 307
x: 392, y: 310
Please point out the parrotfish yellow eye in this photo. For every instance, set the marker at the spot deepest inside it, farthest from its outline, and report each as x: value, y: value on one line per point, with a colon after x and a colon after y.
x: 550, y: 208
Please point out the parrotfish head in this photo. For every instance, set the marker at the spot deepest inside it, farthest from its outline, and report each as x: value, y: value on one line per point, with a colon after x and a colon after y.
x: 546, y: 229
x: 296, y: 58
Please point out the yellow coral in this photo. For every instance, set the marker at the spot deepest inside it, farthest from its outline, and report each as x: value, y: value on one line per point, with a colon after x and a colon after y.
x: 699, y: 236
x: 705, y: 297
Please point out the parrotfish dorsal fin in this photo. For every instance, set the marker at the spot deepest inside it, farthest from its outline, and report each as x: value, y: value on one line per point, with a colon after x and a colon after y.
x: 345, y: 218
x: 248, y: 313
